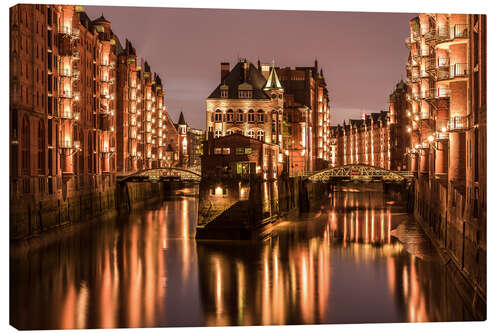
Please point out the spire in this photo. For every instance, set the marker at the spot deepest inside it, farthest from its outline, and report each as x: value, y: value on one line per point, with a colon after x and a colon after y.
x: 181, y: 120
x: 273, y: 81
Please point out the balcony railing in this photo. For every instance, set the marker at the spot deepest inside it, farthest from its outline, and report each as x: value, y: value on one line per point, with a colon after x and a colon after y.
x: 458, y: 123
x: 430, y: 65
x: 430, y: 35
x: 460, y: 31
x: 458, y: 70
x: 441, y: 92
x: 447, y: 33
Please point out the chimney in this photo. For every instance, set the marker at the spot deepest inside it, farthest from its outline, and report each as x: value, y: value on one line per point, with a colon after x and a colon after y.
x: 265, y: 68
x: 224, y: 70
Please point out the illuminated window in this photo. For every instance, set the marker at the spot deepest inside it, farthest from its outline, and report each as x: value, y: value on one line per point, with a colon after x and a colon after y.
x: 240, y: 151
x: 229, y: 115
x: 218, y: 116
x: 251, y: 133
x: 260, y: 116
x: 251, y: 116
x: 218, y: 133
x: 218, y: 151
x: 260, y: 135
x: 226, y: 151
x: 240, y: 116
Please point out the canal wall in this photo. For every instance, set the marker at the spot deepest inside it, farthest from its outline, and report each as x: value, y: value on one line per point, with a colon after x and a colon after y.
x: 445, y: 217
x: 240, y: 208
x: 29, y: 219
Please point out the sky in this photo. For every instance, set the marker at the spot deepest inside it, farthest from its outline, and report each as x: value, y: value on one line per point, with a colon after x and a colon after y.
x: 362, y: 55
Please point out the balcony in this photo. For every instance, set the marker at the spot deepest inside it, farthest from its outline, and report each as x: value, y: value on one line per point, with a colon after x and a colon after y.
x: 430, y: 36
x: 442, y: 136
x: 454, y: 33
x: 75, y: 74
x: 441, y: 92
x: 66, y: 94
x: 430, y: 65
x: 458, y: 70
x: 458, y: 123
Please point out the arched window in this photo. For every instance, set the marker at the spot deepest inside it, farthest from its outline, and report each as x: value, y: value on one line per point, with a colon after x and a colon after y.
x: 25, y: 150
x: 251, y: 133
x: 240, y: 116
x: 260, y: 135
x: 229, y: 132
x: 218, y: 116
x: 260, y: 116
x: 218, y: 133
x: 251, y: 116
x: 230, y: 116
x: 41, y: 146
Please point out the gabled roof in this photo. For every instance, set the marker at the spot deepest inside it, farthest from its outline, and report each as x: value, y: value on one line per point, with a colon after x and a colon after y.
x: 236, y: 76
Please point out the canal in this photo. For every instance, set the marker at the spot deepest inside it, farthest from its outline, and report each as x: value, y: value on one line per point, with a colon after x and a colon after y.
x: 357, y: 258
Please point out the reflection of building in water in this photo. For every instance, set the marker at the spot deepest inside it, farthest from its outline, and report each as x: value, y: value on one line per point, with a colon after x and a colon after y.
x: 114, y: 275
x: 286, y: 287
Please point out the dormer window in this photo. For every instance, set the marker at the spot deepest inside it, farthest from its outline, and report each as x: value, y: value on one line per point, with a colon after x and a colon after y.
x: 224, y: 89
x: 245, y: 94
x: 245, y: 90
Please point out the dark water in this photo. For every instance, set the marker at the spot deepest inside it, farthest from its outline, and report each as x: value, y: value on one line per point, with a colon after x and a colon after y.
x: 342, y: 263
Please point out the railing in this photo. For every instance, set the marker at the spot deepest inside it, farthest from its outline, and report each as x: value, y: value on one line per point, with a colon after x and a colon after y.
x: 430, y: 35
x: 458, y: 123
x: 441, y: 92
x: 458, y: 70
x: 460, y: 31
x: 430, y: 65
x: 446, y: 33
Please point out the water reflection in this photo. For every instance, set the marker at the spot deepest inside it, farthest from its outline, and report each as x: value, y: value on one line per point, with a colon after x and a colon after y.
x: 336, y: 265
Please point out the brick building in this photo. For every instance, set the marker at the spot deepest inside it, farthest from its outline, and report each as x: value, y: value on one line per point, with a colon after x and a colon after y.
x: 287, y: 107
x: 447, y: 94
x: 307, y: 112
x: 240, y: 155
x: 379, y: 139
x: 190, y: 141
x: 81, y: 109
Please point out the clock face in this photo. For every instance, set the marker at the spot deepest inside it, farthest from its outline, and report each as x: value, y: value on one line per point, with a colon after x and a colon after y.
x: 273, y: 96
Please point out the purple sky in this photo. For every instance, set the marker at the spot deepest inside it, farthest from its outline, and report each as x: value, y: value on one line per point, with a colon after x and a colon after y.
x: 362, y: 54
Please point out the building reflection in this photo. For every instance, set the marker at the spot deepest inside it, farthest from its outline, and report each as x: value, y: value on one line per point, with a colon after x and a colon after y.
x: 289, y: 278
x: 338, y: 265
x: 113, y: 275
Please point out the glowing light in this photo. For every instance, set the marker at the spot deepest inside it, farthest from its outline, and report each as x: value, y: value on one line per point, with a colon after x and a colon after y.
x: 218, y: 191
x: 430, y: 138
x: 443, y: 129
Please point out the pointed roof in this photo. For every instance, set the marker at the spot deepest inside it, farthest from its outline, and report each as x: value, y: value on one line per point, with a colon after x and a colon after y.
x: 181, y: 120
x: 273, y: 82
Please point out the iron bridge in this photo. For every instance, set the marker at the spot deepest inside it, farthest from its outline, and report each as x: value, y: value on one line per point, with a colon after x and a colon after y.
x: 360, y: 172
x: 162, y: 174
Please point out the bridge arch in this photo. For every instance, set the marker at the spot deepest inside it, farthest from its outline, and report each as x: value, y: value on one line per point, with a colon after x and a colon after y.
x: 358, y: 171
x: 159, y: 173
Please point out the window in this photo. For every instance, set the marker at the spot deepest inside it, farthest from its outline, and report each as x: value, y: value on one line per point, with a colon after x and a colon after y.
x: 226, y: 151
x: 218, y: 116
x: 260, y: 135
x: 218, y: 133
x: 245, y: 94
x: 218, y: 151
x: 260, y: 116
x: 229, y: 115
x: 229, y: 132
x: 25, y: 147
x: 41, y: 145
x: 240, y: 151
x: 248, y: 151
x: 223, y: 93
x: 251, y: 116
x: 251, y: 133
x: 240, y: 116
